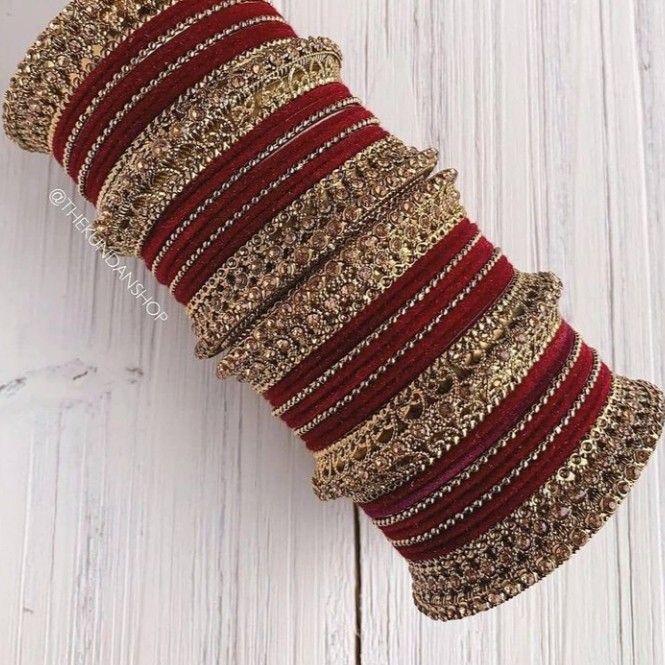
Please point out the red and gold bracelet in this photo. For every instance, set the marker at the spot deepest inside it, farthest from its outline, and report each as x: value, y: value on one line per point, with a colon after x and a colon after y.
x: 436, y: 385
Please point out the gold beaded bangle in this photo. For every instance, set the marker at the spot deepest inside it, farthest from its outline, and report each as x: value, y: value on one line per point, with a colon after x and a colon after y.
x: 342, y: 286
x: 154, y: 82
x: 126, y: 69
x: 428, y: 417
x: 168, y: 131
x: 246, y: 168
x: 377, y: 332
x: 557, y: 520
x: 300, y: 237
x: 76, y: 40
x: 244, y: 329
x: 410, y: 345
x: 134, y: 200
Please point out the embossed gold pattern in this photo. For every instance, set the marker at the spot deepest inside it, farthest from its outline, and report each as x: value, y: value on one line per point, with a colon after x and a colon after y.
x: 82, y: 34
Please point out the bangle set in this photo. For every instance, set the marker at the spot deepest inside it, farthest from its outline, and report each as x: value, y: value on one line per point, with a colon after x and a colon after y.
x: 435, y: 384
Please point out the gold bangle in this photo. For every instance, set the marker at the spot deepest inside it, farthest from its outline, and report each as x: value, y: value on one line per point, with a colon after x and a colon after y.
x: 516, y: 471
x: 269, y: 187
x: 104, y: 134
x: 126, y: 69
x: 342, y: 286
x: 306, y: 233
x: 410, y: 345
x: 134, y: 200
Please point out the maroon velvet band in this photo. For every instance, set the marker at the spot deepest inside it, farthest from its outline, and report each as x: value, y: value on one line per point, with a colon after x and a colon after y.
x: 230, y: 161
x: 112, y: 64
x: 416, y: 360
x: 519, y: 447
x: 494, y: 425
x: 268, y: 171
x: 526, y: 484
x: 280, y: 198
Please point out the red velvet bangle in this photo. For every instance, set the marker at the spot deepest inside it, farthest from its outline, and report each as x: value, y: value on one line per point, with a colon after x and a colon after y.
x: 527, y: 483
x: 390, y: 341
x: 520, y: 447
x: 240, y: 153
x: 485, y: 434
x: 416, y: 360
x: 376, y: 312
x: 238, y: 194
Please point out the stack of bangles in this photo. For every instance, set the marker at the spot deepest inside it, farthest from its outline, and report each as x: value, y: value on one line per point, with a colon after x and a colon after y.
x: 436, y: 385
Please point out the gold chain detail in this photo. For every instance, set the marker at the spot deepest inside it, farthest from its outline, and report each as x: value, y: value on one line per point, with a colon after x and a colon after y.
x: 515, y: 472
x: 126, y: 69
x: 409, y: 346
x: 154, y: 82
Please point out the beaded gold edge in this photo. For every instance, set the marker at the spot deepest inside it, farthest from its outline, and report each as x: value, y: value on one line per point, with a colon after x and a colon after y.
x: 127, y: 68
x: 147, y: 88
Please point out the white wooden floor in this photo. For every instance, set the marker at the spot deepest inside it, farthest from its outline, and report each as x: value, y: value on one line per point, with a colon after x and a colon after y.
x: 150, y: 515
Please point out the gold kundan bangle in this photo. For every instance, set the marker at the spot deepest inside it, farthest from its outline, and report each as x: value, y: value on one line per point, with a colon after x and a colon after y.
x: 310, y: 314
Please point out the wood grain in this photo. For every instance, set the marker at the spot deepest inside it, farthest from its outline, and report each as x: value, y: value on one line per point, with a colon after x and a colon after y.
x: 151, y: 515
